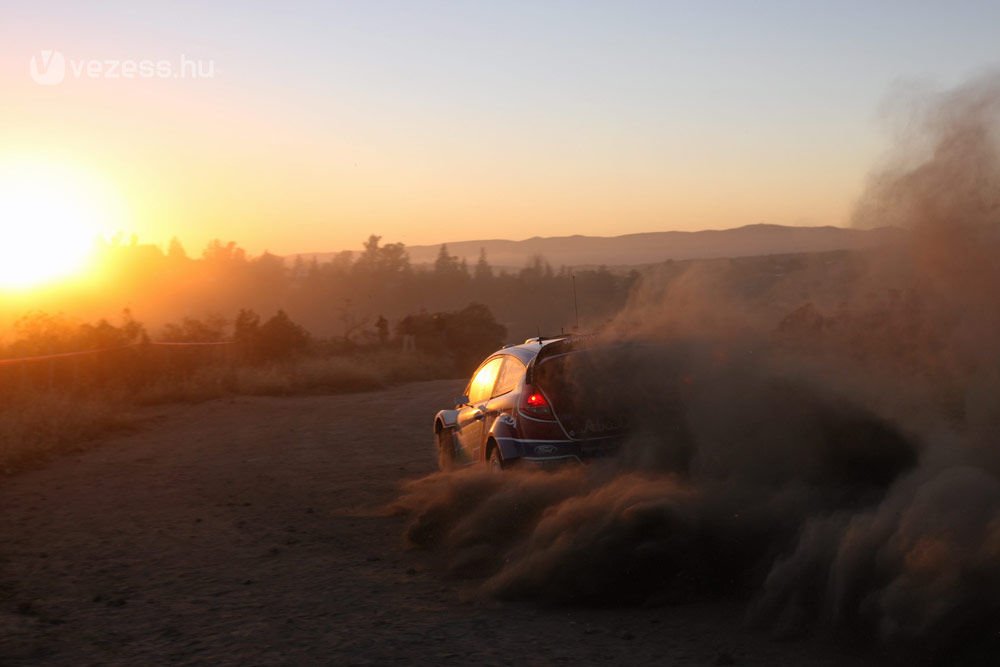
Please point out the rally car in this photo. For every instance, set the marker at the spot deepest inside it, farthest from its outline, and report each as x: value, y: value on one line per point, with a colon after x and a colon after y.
x: 526, y: 405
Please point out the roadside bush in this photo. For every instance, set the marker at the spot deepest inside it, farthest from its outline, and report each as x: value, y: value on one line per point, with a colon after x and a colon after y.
x: 278, y: 338
x: 211, y: 329
x: 40, y: 334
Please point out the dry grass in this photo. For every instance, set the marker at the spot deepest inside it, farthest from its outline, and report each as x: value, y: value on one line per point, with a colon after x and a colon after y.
x: 34, y: 427
x: 310, y: 375
x: 38, y: 424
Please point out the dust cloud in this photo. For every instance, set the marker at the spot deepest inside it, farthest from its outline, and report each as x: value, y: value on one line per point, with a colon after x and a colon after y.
x: 833, y: 491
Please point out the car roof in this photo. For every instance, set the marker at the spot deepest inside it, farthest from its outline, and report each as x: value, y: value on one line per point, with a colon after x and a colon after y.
x: 527, y: 350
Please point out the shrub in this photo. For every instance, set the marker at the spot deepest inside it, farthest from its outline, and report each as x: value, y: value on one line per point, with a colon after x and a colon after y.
x: 278, y: 338
x: 212, y: 329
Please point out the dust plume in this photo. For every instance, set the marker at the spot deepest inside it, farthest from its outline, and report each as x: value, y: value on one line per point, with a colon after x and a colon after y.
x: 827, y: 483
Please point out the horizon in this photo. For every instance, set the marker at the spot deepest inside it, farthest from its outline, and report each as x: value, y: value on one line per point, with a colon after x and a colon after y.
x: 571, y: 236
x: 194, y: 252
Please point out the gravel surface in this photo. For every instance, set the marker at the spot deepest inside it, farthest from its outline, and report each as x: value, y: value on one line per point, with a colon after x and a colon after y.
x: 249, y: 531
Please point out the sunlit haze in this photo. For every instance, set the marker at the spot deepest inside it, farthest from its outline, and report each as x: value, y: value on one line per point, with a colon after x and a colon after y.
x: 319, y: 123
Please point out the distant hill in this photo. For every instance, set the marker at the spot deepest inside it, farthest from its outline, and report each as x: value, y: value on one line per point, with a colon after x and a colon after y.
x: 653, y: 247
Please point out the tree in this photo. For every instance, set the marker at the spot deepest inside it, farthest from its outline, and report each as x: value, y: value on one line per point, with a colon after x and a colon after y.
x: 446, y: 264
x: 269, y: 270
x: 384, y: 261
x: 369, y: 256
x: 473, y: 332
x: 536, y: 270
x: 483, y: 272
x: 217, y: 251
x: 351, y: 321
x: 393, y: 259
x: 313, y: 269
x: 340, y: 263
x: 298, y: 268
x: 246, y: 324
x: 280, y: 337
x: 176, y: 251
x: 212, y: 329
x: 246, y: 329
x: 467, y: 335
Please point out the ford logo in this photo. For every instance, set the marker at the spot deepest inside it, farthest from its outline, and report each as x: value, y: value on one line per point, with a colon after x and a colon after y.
x: 546, y: 450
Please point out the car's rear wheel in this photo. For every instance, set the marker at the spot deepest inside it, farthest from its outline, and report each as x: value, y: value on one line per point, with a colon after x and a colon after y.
x: 446, y: 449
x: 495, y: 462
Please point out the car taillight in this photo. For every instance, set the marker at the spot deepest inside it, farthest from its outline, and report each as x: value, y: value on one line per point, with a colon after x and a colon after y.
x: 534, y: 404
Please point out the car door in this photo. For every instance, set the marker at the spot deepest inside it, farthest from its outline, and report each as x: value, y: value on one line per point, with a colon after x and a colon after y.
x: 503, y: 399
x: 472, y: 418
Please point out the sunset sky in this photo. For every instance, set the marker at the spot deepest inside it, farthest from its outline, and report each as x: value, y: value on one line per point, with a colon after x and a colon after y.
x: 428, y: 122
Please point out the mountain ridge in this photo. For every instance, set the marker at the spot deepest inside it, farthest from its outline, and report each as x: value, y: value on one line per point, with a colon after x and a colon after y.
x: 640, y: 248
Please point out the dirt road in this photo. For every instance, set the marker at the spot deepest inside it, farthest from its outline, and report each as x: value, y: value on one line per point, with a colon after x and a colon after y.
x: 242, y: 532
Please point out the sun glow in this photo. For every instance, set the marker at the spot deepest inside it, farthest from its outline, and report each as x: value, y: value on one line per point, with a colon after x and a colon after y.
x: 50, y: 218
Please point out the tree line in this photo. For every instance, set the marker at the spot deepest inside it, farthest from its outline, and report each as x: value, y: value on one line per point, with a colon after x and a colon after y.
x: 357, y: 297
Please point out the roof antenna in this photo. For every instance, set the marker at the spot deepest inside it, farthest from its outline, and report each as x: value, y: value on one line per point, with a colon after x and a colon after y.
x: 576, y: 306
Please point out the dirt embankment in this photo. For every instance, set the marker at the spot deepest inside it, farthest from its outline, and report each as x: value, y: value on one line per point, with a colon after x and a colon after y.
x: 244, y: 531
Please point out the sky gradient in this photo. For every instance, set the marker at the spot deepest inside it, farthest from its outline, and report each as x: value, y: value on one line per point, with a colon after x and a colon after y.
x: 429, y: 122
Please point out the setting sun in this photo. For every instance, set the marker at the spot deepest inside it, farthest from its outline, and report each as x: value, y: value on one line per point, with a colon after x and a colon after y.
x: 51, y: 217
